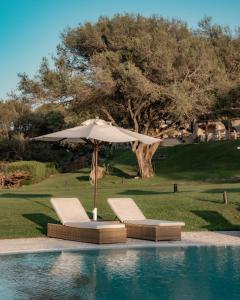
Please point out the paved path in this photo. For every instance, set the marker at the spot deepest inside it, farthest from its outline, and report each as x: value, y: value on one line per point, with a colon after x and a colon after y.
x: 220, y: 238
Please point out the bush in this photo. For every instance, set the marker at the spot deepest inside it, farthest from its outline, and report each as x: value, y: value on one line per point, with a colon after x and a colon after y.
x: 38, y: 170
x: 50, y: 169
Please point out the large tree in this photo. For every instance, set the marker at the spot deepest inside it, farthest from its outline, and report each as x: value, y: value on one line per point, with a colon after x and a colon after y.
x: 10, y: 113
x: 150, y: 74
x: 226, y: 45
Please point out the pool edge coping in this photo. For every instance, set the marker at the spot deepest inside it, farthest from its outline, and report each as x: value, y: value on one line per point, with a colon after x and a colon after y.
x: 92, y: 247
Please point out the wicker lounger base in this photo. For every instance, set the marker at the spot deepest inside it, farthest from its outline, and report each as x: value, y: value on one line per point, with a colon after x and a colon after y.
x: 154, y: 233
x: 88, y: 235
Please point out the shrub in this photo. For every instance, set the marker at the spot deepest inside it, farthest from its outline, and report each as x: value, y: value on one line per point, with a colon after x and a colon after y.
x: 50, y: 169
x: 38, y: 170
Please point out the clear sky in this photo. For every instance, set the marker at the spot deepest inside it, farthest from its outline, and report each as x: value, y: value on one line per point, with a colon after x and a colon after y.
x: 30, y: 29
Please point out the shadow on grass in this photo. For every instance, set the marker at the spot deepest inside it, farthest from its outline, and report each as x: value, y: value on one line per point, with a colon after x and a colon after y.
x: 205, y: 176
x: 217, y: 191
x: 120, y: 173
x: 30, y: 197
x: 24, y: 196
x: 113, y: 172
x: 41, y: 220
x: 77, y: 171
x: 141, y: 192
x: 83, y: 178
x: 215, y: 220
x: 220, y: 201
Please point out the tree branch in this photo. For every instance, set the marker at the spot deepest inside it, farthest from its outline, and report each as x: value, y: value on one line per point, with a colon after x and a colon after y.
x: 133, y: 115
x: 109, y: 116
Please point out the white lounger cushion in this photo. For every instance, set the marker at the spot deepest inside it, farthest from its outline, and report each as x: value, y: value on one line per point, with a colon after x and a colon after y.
x: 95, y: 225
x: 69, y: 210
x: 125, y: 209
x: 151, y: 222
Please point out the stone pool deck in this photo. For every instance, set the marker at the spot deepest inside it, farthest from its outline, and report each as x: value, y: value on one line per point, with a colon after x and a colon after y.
x: 206, y: 238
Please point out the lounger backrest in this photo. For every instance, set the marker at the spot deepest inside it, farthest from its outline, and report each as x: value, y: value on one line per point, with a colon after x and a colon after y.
x: 125, y: 209
x: 69, y: 210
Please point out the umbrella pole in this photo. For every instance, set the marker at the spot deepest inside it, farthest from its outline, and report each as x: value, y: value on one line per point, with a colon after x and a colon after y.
x: 95, y: 181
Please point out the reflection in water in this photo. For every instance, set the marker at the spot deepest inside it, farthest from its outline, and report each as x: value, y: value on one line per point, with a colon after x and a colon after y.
x: 70, y: 264
x: 167, y: 273
x: 121, y: 261
x: 166, y: 255
x: 67, y: 264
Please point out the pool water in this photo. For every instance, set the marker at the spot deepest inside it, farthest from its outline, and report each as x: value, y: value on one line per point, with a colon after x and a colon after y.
x: 151, y: 273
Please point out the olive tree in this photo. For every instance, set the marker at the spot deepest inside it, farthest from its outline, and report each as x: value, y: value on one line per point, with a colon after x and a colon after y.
x: 150, y: 74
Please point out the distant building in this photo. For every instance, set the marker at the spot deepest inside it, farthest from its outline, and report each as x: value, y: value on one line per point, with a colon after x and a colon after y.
x: 210, y: 131
x: 235, y: 129
x: 203, y: 131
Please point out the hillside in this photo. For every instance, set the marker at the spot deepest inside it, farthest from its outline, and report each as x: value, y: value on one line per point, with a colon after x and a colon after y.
x: 214, y: 161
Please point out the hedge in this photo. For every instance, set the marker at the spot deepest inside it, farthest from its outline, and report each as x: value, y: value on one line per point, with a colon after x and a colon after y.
x: 38, y: 170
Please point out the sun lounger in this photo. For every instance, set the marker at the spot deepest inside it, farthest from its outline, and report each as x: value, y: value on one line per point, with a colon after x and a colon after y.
x: 141, y: 228
x: 77, y: 226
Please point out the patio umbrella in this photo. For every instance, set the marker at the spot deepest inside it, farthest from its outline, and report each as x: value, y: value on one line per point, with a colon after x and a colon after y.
x: 96, y: 132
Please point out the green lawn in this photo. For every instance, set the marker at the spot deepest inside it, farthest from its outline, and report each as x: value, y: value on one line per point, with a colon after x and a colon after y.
x: 202, y: 172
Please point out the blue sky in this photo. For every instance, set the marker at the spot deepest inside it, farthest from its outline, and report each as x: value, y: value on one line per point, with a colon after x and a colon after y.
x: 30, y: 29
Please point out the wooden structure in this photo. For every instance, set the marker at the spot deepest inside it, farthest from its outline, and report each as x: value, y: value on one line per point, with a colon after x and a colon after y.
x: 13, y: 179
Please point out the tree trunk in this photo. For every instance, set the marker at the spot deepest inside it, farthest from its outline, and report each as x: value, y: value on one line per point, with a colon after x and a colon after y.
x: 206, y: 132
x: 144, y: 154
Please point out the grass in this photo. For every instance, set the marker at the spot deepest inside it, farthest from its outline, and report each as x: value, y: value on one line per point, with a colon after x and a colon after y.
x: 202, y: 172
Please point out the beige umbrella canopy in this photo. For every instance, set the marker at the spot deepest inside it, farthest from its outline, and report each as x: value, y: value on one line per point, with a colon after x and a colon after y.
x: 96, y: 131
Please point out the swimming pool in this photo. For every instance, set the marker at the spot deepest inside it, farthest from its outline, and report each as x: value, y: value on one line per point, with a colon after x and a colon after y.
x: 151, y: 273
